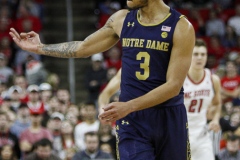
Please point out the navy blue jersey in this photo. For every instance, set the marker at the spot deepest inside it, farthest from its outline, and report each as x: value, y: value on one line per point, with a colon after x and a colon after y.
x: 146, y: 54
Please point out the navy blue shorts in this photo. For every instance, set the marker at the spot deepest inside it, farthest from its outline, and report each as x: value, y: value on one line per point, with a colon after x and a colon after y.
x: 154, y: 134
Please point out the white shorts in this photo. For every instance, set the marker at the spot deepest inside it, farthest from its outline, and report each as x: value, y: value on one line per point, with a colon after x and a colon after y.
x: 201, y: 148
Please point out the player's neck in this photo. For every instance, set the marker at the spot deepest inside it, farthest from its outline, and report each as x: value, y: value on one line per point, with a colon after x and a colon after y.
x: 196, y: 75
x: 154, y: 12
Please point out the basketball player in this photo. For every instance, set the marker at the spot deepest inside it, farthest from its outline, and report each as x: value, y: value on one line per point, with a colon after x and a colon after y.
x: 157, y: 44
x: 202, y: 90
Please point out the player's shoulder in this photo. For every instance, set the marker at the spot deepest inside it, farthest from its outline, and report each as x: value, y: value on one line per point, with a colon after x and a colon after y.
x: 184, y: 31
x: 121, y: 14
x: 184, y: 25
x: 215, y: 79
x: 117, y: 20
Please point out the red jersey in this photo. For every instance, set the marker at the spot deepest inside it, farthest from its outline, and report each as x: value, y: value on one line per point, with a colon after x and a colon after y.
x: 230, y: 84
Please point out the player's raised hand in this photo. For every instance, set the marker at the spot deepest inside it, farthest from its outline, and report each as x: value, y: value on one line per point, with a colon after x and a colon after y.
x: 27, y: 41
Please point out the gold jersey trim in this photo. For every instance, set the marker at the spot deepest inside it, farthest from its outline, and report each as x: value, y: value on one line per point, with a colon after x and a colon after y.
x: 138, y: 19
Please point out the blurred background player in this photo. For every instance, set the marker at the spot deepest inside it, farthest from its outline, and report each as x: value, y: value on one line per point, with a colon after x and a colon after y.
x: 201, y: 90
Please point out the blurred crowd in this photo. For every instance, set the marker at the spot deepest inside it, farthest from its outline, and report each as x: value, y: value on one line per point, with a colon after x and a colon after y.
x: 37, y: 116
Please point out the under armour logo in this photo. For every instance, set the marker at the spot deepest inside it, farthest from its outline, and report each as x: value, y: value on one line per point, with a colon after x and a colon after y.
x: 125, y: 122
x: 117, y: 127
x: 129, y: 24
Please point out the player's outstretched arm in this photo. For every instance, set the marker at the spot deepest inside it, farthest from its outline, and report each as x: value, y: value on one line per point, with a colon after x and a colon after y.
x: 217, y: 103
x: 99, y: 41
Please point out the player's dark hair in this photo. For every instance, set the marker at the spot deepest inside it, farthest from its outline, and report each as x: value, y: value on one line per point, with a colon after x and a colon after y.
x: 200, y: 42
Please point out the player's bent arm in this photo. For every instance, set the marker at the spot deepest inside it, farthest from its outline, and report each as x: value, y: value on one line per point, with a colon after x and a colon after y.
x: 111, y: 88
x: 180, y: 60
x: 216, y: 101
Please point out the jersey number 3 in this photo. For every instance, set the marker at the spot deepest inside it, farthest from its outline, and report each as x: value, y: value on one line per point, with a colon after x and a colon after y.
x: 145, y: 65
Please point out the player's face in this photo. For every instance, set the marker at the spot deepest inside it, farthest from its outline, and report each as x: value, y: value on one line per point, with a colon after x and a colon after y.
x: 134, y: 4
x: 199, y: 57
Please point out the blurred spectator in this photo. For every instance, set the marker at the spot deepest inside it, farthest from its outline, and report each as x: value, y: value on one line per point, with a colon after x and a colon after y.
x: 45, y: 94
x: 113, y: 58
x: 34, y: 133
x: 68, y: 143
x: 89, y: 123
x: 214, y: 26
x: 111, y: 72
x: 106, y: 9
x: 212, y: 63
x: 35, y: 71
x: 231, y: 122
x: 197, y: 21
x: 43, y: 151
x: 6, y: 136
x: 72, y: 117
x: 34, y: 8
x: 231, y: 152
x: 63, y: 107
x: 200, y: 3
x: 53, y: 105
x: 11, y: 5
x: 7, y: 153
x: 92, y: 150
x: 11, y: 114
x: 106, y: 147
x: 73, y: 114
x: 23, y: 120
x: 54, y: 125
x: 21, y: 81
x: 178, y: 4
x: 237, y: 47
x: 6, y: 104
x: 106, y: 136
x: 6, y: 72
x: 238, y: 62
x: 95, y: 76
x: 5, y: 48
x: 216, y: 49
x: 21, y: 59
x: 54, y: 80
x: 63, y: 95
x: 5, y: 21
x: 26, y: 22
x: 14, y: 93
x: 229, y: 39
x: 235, y: 20
x: 34, y: 103
x: 7, y: 108
x: 73, y: 109
x: 3, y: 90
x: 227, y: 109
x: 230, y: 82
x: 223, y: 3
